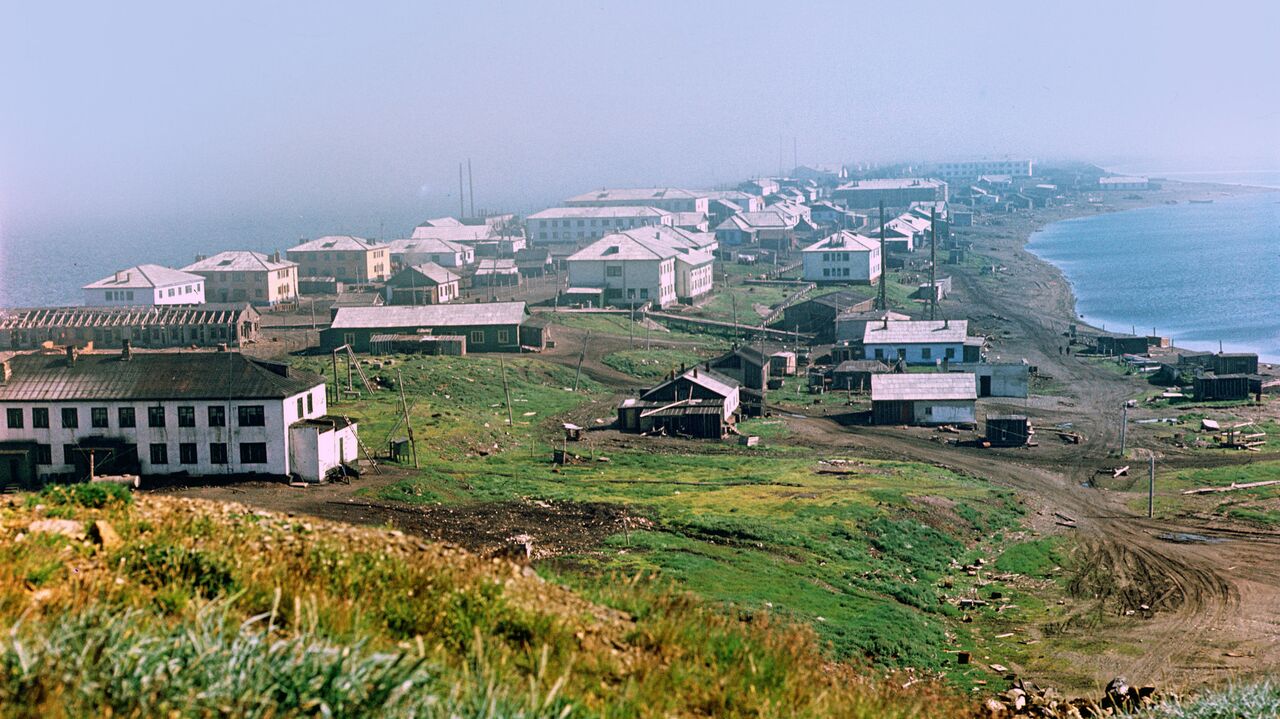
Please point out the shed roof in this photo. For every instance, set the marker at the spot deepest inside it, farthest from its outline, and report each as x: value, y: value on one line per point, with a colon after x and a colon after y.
x: 844, y: 240
x: 911, y: 387
x: 455, y: 315
x: 705, y: 378
x: 428, y: 271
x: 151, y: 376
x: 915, y: 331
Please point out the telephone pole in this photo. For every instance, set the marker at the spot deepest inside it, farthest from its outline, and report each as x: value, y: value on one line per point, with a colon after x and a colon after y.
x: 1151, y: 487
x: 933, y: 262
x: 884, y: 264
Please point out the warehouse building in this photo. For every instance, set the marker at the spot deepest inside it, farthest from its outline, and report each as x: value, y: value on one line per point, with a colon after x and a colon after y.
x: 923, y: 399
x: 209, y: 325
x: 488, y: 326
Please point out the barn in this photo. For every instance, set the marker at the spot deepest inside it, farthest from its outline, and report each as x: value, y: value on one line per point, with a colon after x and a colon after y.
x: 924, y: 399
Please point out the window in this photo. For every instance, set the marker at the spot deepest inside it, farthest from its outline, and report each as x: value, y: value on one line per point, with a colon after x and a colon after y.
x: 349, y: 338
x: 40, y: 417
x: 70, y: 417
x: 504, y: 336
x: 879, y: 353
x: 68, y: 454
x: 187, y: 453
x: 127, y: 417
x: 926, y: 353
x: 13, y: 417
x: 477, y: 337
x: 155, y: 416
x: 217, y: 415
x: 300, y: 405
x: 98, y: 417
x: 311, y: 403
x: 44, y: 454
x: 217, y: 453
x: 160, y: 453
x: 186, y: 416
x: 614, y: 271
x: 951, y: 353
x: 251, y: 416
x: 253, y: 453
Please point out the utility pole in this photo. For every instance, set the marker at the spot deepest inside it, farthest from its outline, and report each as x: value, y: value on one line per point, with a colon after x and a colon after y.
x: 404, y: 408
x: 884, y: 264
x: 1151, y: 487
x: 471, y: 185
x: 1124, y: 426
x: 511, y: 421
x: 462, y: 195
x: 933, y: 262
x: 581, y: 356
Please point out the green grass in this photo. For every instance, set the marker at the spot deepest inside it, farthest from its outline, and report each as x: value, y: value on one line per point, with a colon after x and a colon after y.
x: 1256, y: 505
x: 1034, y: 558
x: 621, y: 325
x: 721, y: 305
x: 654, y: 364
x: 1238, y: 701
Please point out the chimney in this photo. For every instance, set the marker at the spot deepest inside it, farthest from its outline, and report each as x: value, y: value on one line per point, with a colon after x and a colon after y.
x: 121, y: 276
x: 5, y: 372
x: 71, y: 355
x: 695, y: 372
x: 126, y: 350
x: 275, y: 256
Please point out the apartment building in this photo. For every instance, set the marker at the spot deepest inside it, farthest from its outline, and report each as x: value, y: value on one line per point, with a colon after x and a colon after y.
x: 658, y: 265
x: 145, y: 285
x: 580, y: 225
x: 243, y: 276
x: 664, y: 198
x: 843, y: 257
x: 344, y: 258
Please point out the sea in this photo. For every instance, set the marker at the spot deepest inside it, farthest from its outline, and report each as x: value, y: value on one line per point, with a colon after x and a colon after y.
x: 1206, y: 275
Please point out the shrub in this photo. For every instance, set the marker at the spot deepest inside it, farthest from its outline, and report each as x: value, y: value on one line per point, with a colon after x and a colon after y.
x: 164, y: 565
x: 93, y: 495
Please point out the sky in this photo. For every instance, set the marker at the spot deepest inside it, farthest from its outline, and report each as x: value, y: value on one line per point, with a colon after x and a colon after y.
x: 355, y: 111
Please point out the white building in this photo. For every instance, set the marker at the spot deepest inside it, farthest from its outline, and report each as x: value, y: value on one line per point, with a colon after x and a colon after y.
x: 918, y: 342
x: 202, y: 413
x: 146, y: 285
x: 492, y: 239
x: 580, y: 225
x: 843, y: 257
x: 243, y: 276
x: 1121, y: 182
x: 977, y: 168
x: 445, y: 253
x: 941, y: 398
x: 664, y: 198
x: 660, y: 265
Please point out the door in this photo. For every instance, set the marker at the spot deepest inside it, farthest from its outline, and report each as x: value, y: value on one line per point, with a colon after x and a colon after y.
x: 984, y: 386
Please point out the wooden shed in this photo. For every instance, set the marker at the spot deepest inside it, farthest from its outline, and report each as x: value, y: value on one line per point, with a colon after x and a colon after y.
x: 1008, y: 430
x: 1221, y: 387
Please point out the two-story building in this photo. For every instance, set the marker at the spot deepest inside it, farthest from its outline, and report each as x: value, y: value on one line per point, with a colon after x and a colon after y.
x: 146, y: 285
x: 425, y: 284
x: 242, y: 276
x: 664, y: 198
x: 344, y: 258
x: 893, y: 192
x: 919, y: 342
x: 843, y: 257
x: 73, y: 416
x: 406, y: 253
x: 661, y: 265
x: 576, y: 226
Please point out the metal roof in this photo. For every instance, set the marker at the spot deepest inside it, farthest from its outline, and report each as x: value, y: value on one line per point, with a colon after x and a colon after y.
x: 424, y: 245
x: 454, y: 233
x: 896, y: 332
x: 140, y: 316
x: 144, y: 277
x: 427, y: 270
x: 337, y: 243
x: 150, y: 376
x: 705, y: 378
x: 558, y: 213
x: 890, y: 183
x: 637, y: 195
x: 911, y: 387
x: 844, y: 240
x: 239, y: 261
x: 454, y: 315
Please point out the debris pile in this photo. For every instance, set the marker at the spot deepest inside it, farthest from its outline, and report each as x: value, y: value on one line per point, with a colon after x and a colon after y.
x: 1024, y: 699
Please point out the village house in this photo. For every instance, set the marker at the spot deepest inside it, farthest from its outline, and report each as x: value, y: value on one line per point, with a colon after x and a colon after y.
x: 535, y: 262
x: 842, y: 257
x: 695, y: 403
x: 775, y: 228
x: 850, y: 325
x: 430, y: 249
x: 828, y: 215
x: 996, y: 379
x: 923, y: 399
x: 344, y: 258
x: 496, y: 272
x: 577, y: 226
x: 724, y: 204
x: 664, y: 198
x: 146, y: 285
x: 920, y: 342
x: 893, y: 192
x: 243, y: 276
x: 817, y: 315
x: 658, y: 265
x: 207, y: 325
x: 487, y: 326
x: 424, y: 284
x: 855, y: 375
x: 497, y: 236
x: 71, y: 416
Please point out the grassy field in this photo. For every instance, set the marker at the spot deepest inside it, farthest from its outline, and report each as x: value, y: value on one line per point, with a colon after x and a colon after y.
x: 181, y: 608
x: 1258, y: 506
x: 652, y: 365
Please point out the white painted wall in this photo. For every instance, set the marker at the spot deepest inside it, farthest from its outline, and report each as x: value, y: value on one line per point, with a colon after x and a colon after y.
x: 922, y: 353
x: 186, y: 293
x: 830, y: 265
x: 657, y: 278
x: 945, y: 412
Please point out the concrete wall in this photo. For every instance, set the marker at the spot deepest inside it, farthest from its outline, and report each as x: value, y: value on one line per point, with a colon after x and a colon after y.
x: 187, y: 293
x: 863, y: 266
x: 656, y: 277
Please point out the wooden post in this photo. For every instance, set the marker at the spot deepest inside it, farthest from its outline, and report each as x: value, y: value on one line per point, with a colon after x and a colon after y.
x: 1151, y: 488
x: 511, y: 422
x: 884, y: 264
x: 933, y: 262
x: 581, y: 356
x: 404, y: 408
x: 337, y: 388
x: 1124, y: 426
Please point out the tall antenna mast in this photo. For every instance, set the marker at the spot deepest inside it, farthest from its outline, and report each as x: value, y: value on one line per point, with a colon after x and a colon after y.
x: 472, y: 186
x: 462, y: 196
x: 933, y: 262
x: 884, y: 264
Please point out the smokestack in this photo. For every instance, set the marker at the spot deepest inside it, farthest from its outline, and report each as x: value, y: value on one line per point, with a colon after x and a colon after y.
x: 126, y: 350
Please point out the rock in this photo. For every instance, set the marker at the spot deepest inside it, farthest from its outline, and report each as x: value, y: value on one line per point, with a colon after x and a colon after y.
x: 1016, y: 698
x: 995, y: 708
x: 66, y: 527
x: 1118, y: 686
x: 105, y: 535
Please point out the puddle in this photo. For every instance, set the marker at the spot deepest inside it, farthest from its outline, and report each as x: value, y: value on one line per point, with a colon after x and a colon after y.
x: 1186, y: 538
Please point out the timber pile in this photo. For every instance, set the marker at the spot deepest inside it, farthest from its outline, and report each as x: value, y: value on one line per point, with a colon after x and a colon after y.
x: 1236, y: 438
x: 1024, y: 699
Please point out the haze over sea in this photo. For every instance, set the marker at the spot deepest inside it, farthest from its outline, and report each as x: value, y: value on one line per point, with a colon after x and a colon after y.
x: 1199, y: 273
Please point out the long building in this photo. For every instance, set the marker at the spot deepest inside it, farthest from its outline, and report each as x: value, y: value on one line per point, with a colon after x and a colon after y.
x: 580, y: 225
x: 344, y: 258
x: 243, y: 276
x: 487, y: 326
x: 942, y: 398
x: 664, y: 198
x: 659, y: 265
x: 893, y: 192
x: 976, y: 168
x: 146, y: 285
x: 843, y: 257
x: 920, y: 342
x: 208, y: 325
x: 73, y: 415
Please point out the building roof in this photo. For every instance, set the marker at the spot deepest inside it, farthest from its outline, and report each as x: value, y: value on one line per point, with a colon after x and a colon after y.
x: 140, y: 316
x: 707, y: 379
x: 424, y: 245
x: 337, y: 243
x: 771, y: 219
x: 862, y: 365
x: 635, y: 195
x: 890, y: 183
x: 442, y: 222
x: 1121, y: 179
x: 427, y: 270
x: 144, y: 277
x: 559, y: 213
x: 151, y: 376
x: 840, y: 301
x: 455, y: 315
x: 844, y: 240
x: 937, y: 386
x: 496, y: 267
x: 915, y: 332
x: 239, y: 261
x: 454, y: 233
x: 696, y: 258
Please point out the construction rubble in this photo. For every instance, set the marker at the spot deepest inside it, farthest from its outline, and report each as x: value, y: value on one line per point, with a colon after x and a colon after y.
x: 1024, y: 699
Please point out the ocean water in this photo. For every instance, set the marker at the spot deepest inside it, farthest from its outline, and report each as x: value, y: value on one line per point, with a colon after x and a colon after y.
x: 1207, y: 275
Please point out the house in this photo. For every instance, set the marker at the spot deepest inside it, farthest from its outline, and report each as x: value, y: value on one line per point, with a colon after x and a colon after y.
x: 925, y: 399
x: 534, y: 262
x: 1008, y: 430
x: 996, y: 379
x: 1122, y: 182
x: 208, y: 325
x: 855, y: 375
x: 493, y: 236
x: 749, y: 367
x: 244, y: 276
x: 906, y: 233
x: 843, y: 257
x: 782, y: 364
x: 817, y: 315
x: 577, y: 226
x: 850, y: 325
x: 145, y: 285
x: 725, y: 203
x: 941, y: 289
x: 774, y: 228
x: 343, y: 257
x: 488, y: 326
x: 828, y: 215
x: 496, y: 272
x: 1234, y: 363
x: 430, y: 249
x: 918, y: 342
x: 658, y: 265
x: 72, y: 415
x: 1122, y: 344
x: 425, y: 284
x: 691, y: 221
x: 664, y: 198
x: 893, y: 192
x: 694, y: 403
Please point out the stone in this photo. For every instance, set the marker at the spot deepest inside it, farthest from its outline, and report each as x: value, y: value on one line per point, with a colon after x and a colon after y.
x: 66, y: 527
x: 105, y: 535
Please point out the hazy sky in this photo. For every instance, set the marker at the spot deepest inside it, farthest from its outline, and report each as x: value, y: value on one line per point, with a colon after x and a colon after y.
x: 113, y: 109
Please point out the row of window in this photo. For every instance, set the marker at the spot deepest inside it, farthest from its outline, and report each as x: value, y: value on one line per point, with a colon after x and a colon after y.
x: 617, y: 222
x: 835, y: 272
x: 119, y: 295
x: 188, y: 453
x: 184, y: 290
x: 925, y: 353
x: 246, y: 416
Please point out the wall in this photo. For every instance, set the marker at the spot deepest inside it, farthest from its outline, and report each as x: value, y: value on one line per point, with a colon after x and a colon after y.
x: 863, y: 265
x: 657, y: 277
x: 944, y: 412
x: 915, y: 353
